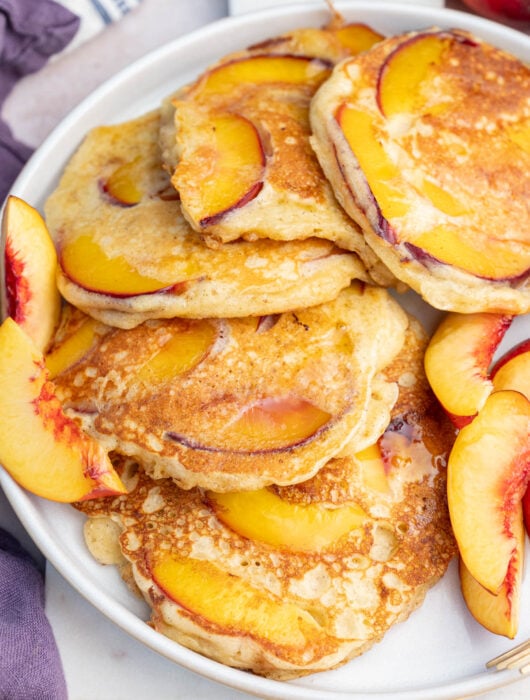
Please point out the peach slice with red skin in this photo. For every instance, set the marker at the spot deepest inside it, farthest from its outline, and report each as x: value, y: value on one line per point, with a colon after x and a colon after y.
x: 261, y: 70
x: 404, y: 71
x: 271, y: 424
x: 498, y: 613
x: 85, y: 262
x: 59, y: 461
x: 233, y: 145
x: 121, y: 186
x: 229, y: 602
x: 458, y: 358
x: 357, y: 37
x: 30, y: 266
x: 487, y: 475
x: 265, y: 517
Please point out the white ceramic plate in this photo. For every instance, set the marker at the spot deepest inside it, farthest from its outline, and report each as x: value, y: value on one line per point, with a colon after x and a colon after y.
x: 440, y: 652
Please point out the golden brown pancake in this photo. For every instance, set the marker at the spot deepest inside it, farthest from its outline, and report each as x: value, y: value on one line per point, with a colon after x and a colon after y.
x: 233, y: 403
x: 293, y: 580
x: 126, y: 253
x: 426, y: 141
x: 242, y: 161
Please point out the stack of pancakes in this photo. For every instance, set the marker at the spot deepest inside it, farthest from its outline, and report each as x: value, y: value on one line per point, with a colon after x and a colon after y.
x: 261, y: 392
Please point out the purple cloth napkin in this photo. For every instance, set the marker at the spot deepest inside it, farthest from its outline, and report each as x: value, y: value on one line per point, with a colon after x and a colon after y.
x: 30, y: 32
x: 30, y: 666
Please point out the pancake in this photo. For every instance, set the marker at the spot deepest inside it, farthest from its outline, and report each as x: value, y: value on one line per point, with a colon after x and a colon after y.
x: 237, y: 144
x: 126, y: 254
x: 425, y: 139
x: 292, y: 580
x: 233, y: 404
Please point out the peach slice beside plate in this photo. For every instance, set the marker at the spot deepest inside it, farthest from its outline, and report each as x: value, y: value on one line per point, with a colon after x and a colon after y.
x: 266, y: 517
x: 457, y: 361
x: 498, y: 613
x: 512, y: 371
x: 487, y: 474
x: 33, y: 300
x: 40, y: 447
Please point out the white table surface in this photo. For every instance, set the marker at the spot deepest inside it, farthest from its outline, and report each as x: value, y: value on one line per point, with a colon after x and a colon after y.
x: 101, y: 662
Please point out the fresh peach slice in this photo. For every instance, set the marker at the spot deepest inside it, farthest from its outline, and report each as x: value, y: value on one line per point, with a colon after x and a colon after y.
x: 72, y: 349
x: 488, y: 471
x: 276, y: 422
x: 404, y: 71
x: 86, y: 263
x: 266, y: 517
x: 30, y: 269
x: 457, y: 361
x: 260, y: 70
x: 55, y: 460
x: 181, y: 353
x: 230, y: 603
x: 512, y: 371
x: 379, y: 171
x: 121, y: 186
x: 237, y: 169
x: 498, y: 613
x: 358, y: 37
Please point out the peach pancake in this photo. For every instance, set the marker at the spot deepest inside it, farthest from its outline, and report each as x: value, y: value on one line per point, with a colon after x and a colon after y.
x: 426, y: 140
x: 126, y: 254
x: 233, y: 404
x: 237, y: 144
x: 287, y: 581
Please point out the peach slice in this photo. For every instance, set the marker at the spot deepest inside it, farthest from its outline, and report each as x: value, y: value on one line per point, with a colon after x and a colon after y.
x: 72, y: 349
x: 121, y: 186
x: 86, y: 263
x: 488, y: 471
x: 373, y: 470
x: 277, y: 422
x: 380, y: 172
x: 180, y: 354
x: 266, y: 517
x: 512, y: 371
x: 405, y: 69
x: 237, y: 169
x: 260, y: 70
x: 457, y: 361
x: 33, y: 300
x: 229, y: 602
x: 357, y: 37
x: 56, y: 460
x: 498, y: 613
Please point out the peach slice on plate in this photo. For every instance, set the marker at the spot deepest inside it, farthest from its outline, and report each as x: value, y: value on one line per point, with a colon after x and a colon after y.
x: 266, y: 517
x: 85, y: 262
x: 235, y: 175
x: 55, y: 459
x: 487, y: 474
x: 512, y: 371
x: 32, y: 298
x: 498, y: 613
x: 457, y: 361
x: 229, y: 602
x: 260, y: 70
